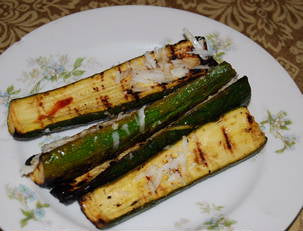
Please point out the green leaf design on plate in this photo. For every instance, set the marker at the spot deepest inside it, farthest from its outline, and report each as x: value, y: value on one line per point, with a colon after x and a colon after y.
x: 217, y: 221
x: 277, y: 123
x: 31, y: 207
x: 12, y: 91
x: 78, y: 62
x: 218, y: 46
x: 78, y: 72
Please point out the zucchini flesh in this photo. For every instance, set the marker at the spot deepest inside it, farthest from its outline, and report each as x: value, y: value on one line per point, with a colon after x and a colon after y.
x: 236, y: 95
x: 100, y: 143
x: 96, y: 97
x: 206, y: 150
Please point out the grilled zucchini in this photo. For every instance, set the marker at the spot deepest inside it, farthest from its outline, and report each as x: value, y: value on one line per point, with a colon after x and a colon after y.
x: 118, y: 89
x: 102, y: 142
x: 237, y: 94
x: 206, y: 150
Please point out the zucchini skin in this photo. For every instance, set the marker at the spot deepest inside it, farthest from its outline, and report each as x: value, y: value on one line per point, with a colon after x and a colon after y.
x: 236, y: 95
x: 82, y: 98
x: 97, y: 145
x: 101, y: 218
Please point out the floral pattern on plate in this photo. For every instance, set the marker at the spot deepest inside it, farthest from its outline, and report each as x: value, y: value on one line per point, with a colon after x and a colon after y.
x: 31, y: 207
x: 47, y: 72
x: 216, y: 220
x: 277, y: 123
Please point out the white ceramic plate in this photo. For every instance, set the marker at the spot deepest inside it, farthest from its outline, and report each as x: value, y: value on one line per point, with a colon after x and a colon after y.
x: 262, y: 193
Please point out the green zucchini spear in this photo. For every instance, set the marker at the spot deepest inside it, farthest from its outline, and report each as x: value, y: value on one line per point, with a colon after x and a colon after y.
x: 210, y: 148
x: 237, y: 94
x: 102, y: 142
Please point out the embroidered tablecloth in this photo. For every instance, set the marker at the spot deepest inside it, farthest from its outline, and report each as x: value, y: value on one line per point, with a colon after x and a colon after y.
x: 277, y: 25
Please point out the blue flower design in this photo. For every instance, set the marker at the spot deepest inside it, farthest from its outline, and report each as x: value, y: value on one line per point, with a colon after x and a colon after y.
x: 28, y: 194
x: 30, y: 211
x: 39, y: 213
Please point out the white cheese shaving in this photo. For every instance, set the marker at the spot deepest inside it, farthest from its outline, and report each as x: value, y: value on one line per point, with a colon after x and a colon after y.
x: 47, y: 130
x: 158, y: 69
x: 115, y: 126
x: 149, y: 60
x: 154, y: 177
x: 174, y: 168
x: 116, y: 139
x: 118, y: 77
x: 179, y: 72
x: 189, y: 36
x: 141, y: 117
x: 120, y: 115
x: 198, y: 47
x: 148, y: 76
x: 201, y: 67
x: 27, y: 169
x: 125, y: 128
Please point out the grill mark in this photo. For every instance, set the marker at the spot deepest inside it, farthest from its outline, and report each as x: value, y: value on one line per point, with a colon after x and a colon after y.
x: 77, y: 111
x: 227, y: 140
x: 162, y: 85
x: 134, y: 94
x: 133, y: 203
x: 195, y: 72
x: 172, y: 52
x: 105, y: 100
x: 119, y: 68
x: 102, y: 76
x: 177, y: 170
x: 204, y: 44
x: 250, y: 119
x: 200, y: 155
x: 96, y: 89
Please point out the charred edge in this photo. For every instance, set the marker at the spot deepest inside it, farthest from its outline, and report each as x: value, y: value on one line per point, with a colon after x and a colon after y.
x: 77, y: 111
x: 96, y: 89
x: 29, y: 160
x: 124, y: 88
x: 227, y: 141
x: 105, y: 100
x: 102, y: 76
x: 163, y: 86
x: 119, y: 69
x: 133, y: 203
x: 177, y: 170
x: 250, y: 118
x: 209, y: 61
x: 98, y: 223
x: 200, y: 158
x: 193, y: 72
x: 134, y: 94
x: 205, y: 44
x: 172, y: 52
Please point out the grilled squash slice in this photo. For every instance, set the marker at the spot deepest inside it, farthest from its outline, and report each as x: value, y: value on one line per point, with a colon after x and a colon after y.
x: 206, y: 150
x: 120, y: 88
